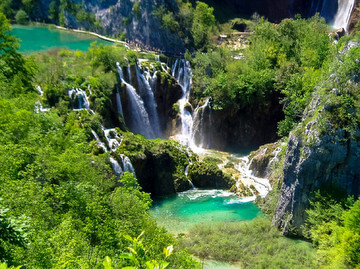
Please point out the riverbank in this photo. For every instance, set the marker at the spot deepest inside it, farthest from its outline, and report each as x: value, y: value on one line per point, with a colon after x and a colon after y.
x: 94, y: 34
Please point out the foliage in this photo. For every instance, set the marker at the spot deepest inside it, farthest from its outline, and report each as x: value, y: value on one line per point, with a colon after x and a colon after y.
x: 136, y: 8
x: 333, y: 225
x: 203, y: 21
x: 254, y: 244
x: 12, y: 234
x: 21, y: 17
x: 287, y: 59
x: 62, y: 206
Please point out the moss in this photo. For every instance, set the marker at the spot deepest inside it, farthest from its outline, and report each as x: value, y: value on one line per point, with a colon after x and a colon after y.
x: 254, y: 190
x: 175, y: 110
x: 229, y: 165
x: 212, y: 160
x: 208, y: 175
x: 243, y: 190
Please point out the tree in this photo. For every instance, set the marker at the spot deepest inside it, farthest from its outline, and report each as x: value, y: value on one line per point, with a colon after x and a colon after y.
x: 5, y: 7
x: 203, y: 22
x: 21, y: 17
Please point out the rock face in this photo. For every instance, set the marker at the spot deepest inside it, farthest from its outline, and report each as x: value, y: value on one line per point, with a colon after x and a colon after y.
x: 355, y: 16
x: 277, y: 10
x: 159, y: 164
x: 314, y: 160
x: 117, y: 17
x: 262, y: 159
x: 239, y: 129
x: 156, y: 173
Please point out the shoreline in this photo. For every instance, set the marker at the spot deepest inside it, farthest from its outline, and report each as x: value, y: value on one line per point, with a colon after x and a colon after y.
x: 94, y: 34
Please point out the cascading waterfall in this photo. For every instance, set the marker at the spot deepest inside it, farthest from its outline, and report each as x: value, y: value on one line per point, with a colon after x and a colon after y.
x: 336, y: 12
x: 198, y: 125
x: 127, y: 165
x: 129, y: 74
x: 262, y: 185
x: 99, y: 142
x: 118, y: 103
x: 181, y: 70
x: 343, y: 14
x: 148, y: 98
x: 116, y: 167
x: 139, y: 122
x: 113, y: 143
x: 80, y: 96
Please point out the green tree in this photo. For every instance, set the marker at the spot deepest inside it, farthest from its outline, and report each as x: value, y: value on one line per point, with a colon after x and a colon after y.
x: 5, y: 7
x: 203, y: 22
x: 21, y: 17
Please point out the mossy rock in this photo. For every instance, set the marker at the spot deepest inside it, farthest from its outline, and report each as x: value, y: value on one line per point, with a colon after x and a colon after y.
x: 208, y: 175
x: 159, y: 164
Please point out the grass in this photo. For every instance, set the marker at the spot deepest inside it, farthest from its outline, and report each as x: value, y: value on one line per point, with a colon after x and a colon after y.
x: 255, y: 244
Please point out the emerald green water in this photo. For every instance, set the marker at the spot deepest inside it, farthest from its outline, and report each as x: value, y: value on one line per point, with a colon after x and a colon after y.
x: 43, y: 38
x: 178, y: 213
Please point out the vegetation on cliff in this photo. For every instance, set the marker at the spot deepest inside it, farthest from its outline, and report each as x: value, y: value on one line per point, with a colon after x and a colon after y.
x: 61, y: 205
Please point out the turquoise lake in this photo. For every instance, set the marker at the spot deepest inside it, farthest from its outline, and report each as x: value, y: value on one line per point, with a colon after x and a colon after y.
x: 44, y: 38
x: 179, y: 212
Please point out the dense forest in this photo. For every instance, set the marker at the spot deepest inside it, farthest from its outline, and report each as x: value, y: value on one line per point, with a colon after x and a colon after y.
x: 62, y: 205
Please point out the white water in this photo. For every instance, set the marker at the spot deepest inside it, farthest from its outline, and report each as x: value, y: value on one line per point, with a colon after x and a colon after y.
x: 181, y: 71
x: 38, y: 88
x: 81, y: 97
x: 262, y: 185
x: 118, y: 103
x: 140, y: 122
x: 343, y: 14
x: 198, y: 122
x: 116, y: 167
x: 99, y: 142
x: 112, y: 139
x: 148, y: 98
x: 113, y: 142
x: 127, y: 165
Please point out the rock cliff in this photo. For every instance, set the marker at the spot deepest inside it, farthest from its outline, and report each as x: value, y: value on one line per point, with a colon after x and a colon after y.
x: 117, y: 17
x: 324, y: 150
x: 239, y: 129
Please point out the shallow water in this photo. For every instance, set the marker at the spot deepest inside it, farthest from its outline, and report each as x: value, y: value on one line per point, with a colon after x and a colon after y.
x: 179, y: 212
x: 43, y: 38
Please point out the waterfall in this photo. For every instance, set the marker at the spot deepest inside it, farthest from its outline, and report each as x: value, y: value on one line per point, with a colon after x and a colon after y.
x: 139, y: 122
x: 100, y: 144
x: 198, y: 125
x: 127, y: 165
x: 262, y: 185
x: 80, y: 96
x: 181, y: 70
x: 116, y: 167
x: 129, y: 74
x: 343, y: 14
x: 41, y: 92
x: 148, y: 98
x: 118, y: 103
x: 112, y: 139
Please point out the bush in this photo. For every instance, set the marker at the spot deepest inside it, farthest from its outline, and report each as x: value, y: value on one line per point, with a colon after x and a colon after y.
x: 21, y: 17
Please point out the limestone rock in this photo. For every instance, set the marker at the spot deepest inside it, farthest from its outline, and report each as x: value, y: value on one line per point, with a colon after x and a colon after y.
x: 314, y: 160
